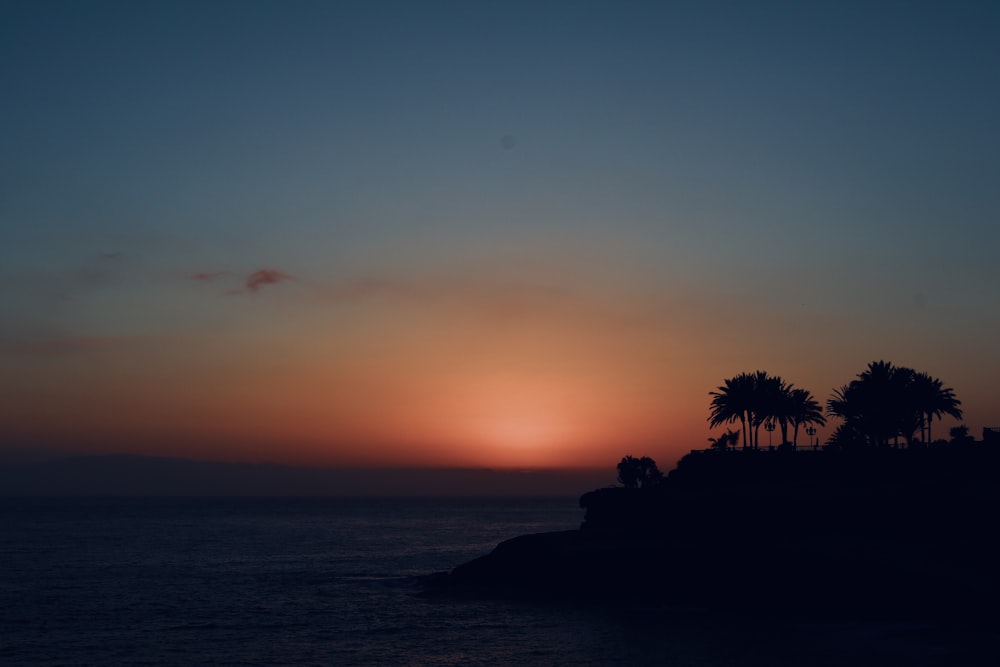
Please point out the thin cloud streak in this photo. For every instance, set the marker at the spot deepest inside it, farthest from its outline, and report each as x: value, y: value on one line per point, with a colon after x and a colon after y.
x: 264, y: 277
x: 253, y: 282
x: 209, y: 276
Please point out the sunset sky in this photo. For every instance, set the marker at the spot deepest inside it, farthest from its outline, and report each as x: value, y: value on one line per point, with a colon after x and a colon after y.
x: 504, y: 234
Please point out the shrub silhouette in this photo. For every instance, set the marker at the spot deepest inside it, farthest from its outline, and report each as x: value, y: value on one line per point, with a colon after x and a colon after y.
x: 638, y: 473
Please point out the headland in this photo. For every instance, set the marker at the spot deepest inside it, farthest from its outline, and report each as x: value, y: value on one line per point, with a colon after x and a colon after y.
x: 885, y: 533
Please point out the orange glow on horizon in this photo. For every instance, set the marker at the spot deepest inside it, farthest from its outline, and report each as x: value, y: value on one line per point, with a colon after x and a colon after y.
x: 410, y: 387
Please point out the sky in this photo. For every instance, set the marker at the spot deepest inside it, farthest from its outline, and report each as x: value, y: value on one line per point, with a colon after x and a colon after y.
x: 483, y: 234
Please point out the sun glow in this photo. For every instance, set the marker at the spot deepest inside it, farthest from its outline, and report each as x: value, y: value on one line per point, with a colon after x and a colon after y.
x: 517, y: 421
x: 524, y: 432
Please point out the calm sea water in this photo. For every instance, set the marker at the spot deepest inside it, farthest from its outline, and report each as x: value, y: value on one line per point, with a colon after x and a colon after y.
x: 331, y: 582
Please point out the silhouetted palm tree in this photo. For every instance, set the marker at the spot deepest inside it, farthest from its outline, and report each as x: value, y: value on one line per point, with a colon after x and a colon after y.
x: 845, y: 403
x: 725, y: 441
x: 890, y: 385
x: 932, y: 399
x: 759, y: 409
x: 846, y: 437
x: 734, y: 401
x: 873, y: 404
x: 756, y: 398
x: 772, y: 403
x: 887, y: 401
x: 804, y: 410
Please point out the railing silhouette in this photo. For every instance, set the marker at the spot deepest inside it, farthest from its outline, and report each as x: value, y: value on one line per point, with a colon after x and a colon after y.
x: 764, y: 448
x: 991, y: 436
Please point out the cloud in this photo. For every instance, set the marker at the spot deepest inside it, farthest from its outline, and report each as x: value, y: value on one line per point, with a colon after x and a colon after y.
x: 209, y: 276
x: 252, y: 283
x: 258, y: 279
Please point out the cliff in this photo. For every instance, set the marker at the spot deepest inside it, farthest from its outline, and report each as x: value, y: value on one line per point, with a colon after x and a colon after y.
x: 876, y: 533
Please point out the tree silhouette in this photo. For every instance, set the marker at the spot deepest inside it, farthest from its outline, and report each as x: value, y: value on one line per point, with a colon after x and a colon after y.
x: 628, y: 472
x: 960, y: 435
x: 755, y: 398
x: 763, y: 391
x: 932, y: 399
x: 744, y: 398
x: 872, y: 404
x: 887, y: 401
x: 650, y: 475
x: 725, y: 441
x: 846, y: 437
x: 775, y: 403
x: 734, y: 401
x: 636, y: 473
x: 804, y: 410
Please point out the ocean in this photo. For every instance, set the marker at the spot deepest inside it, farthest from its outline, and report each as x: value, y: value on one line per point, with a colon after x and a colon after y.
x: 333, y: 581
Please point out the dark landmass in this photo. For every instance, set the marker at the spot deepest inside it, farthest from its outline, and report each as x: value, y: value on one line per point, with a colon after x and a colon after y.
x: 891, y: 533
x: 127, y: 475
